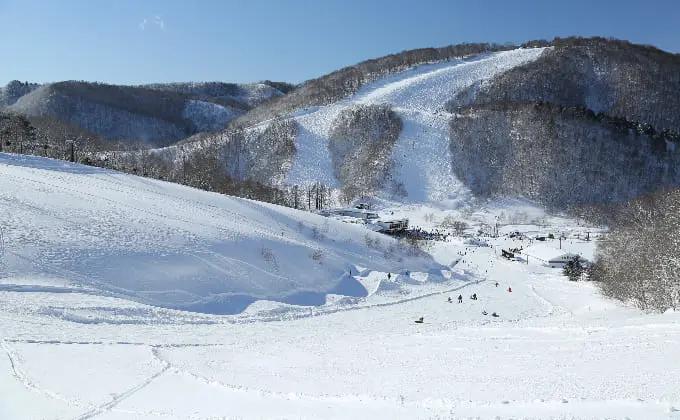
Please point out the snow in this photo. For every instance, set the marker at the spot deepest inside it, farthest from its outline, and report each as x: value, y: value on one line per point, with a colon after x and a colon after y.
x: 544, y: 253
x: 82, y: 340
x: 101, y: 232
x: 418, y: 96
x: 129, y: 298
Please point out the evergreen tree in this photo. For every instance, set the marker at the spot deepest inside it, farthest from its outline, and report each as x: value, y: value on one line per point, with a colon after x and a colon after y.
x: 574, y: 268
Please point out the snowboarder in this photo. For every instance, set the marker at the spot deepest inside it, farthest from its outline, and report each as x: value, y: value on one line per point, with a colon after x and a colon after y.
x: 485, y: 313
x: 460, y: 298
x: 419, y: 320
x: 510, y: 289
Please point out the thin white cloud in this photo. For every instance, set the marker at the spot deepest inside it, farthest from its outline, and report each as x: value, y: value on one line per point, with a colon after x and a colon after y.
x: 156, y: 21
x: 159, y: 22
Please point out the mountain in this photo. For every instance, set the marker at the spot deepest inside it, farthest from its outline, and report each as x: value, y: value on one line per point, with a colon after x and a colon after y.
x: 560, y: 122
x: 389, y: 137
x: 419, y: 126
x: 155, y: 114
x: 636, y: 82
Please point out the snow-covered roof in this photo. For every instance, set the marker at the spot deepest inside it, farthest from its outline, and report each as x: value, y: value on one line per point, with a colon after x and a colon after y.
x: 546, y: 253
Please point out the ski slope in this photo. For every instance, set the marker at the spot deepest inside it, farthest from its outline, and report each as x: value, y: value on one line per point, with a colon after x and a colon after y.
x: 421, y: 154
x: 557, y: 350
x: 75, y: 229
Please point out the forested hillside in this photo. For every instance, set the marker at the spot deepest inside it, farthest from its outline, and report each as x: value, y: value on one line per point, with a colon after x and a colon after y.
x: 638, y: 262
x: 583, y: 121
x: 15, y: 90
x: 48, y: 137
x: 361, y: 142
x: 635, y: 82
x: 347, y: 81
x: 560, y: 156
x: 156, y: 115
x: 239, y: 96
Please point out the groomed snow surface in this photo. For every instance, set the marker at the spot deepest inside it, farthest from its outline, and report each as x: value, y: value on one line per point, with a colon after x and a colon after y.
x: 95, y: 267
x: 421, y: 155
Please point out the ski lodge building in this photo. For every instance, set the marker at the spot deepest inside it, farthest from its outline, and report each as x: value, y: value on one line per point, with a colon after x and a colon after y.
x: 549, y: 256
x: 369, y: 218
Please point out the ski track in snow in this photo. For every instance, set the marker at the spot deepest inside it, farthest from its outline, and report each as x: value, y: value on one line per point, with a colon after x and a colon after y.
x: 119, y: 398
x: 25, y: 380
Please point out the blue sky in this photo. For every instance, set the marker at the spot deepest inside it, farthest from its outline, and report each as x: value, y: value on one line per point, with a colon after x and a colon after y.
x: 142, y: 41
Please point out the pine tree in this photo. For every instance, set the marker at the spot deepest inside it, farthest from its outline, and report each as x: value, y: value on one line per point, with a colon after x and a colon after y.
x: 574, y: 269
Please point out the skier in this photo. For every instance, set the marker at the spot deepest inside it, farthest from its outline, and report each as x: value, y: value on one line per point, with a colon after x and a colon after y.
x: 389, y: 276
x: 419, y: 320
x: 496, y: 284
x: 474, y: 296
x: 450, y: 300
x: 460, y: 298
x: 495, y: 315
x: 485, y: 313
x: 510, y: 289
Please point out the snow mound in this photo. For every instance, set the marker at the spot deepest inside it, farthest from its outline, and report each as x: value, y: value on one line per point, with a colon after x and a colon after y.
x: 91, y: 230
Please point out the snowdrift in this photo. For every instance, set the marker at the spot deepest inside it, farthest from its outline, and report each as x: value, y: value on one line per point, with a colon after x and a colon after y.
x: 97, y: 231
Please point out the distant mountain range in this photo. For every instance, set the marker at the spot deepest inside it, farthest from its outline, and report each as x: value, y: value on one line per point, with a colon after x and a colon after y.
x: 158, y: 114
x: 568, y: 122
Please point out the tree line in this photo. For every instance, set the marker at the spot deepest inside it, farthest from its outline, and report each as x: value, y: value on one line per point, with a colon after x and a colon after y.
x: 638, y: 262
x: 560, y: 156
x: 346, y: 81
x: 48, y: 137
x: 617, y: 78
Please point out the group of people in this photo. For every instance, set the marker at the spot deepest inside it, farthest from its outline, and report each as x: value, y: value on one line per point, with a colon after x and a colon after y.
x: 463, y: 253
x: 460, y: 298
x: 422, y: 234
x: 474, y: 297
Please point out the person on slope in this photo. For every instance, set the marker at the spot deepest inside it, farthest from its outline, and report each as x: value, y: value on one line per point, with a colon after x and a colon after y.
x: 474, y: 296
x: 496, y: 284
x: 510, y: 289
x: 389, y: 276
x: 450, y: 300
x: 460, y: 298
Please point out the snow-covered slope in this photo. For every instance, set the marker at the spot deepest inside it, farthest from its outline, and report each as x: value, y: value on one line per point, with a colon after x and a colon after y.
x: 421, y: 155
x: 558, y: 350
x: 168, y: 245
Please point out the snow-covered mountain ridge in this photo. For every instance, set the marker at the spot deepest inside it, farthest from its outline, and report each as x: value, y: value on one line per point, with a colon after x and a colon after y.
x: 158, y: 114
x: 418, y: 136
